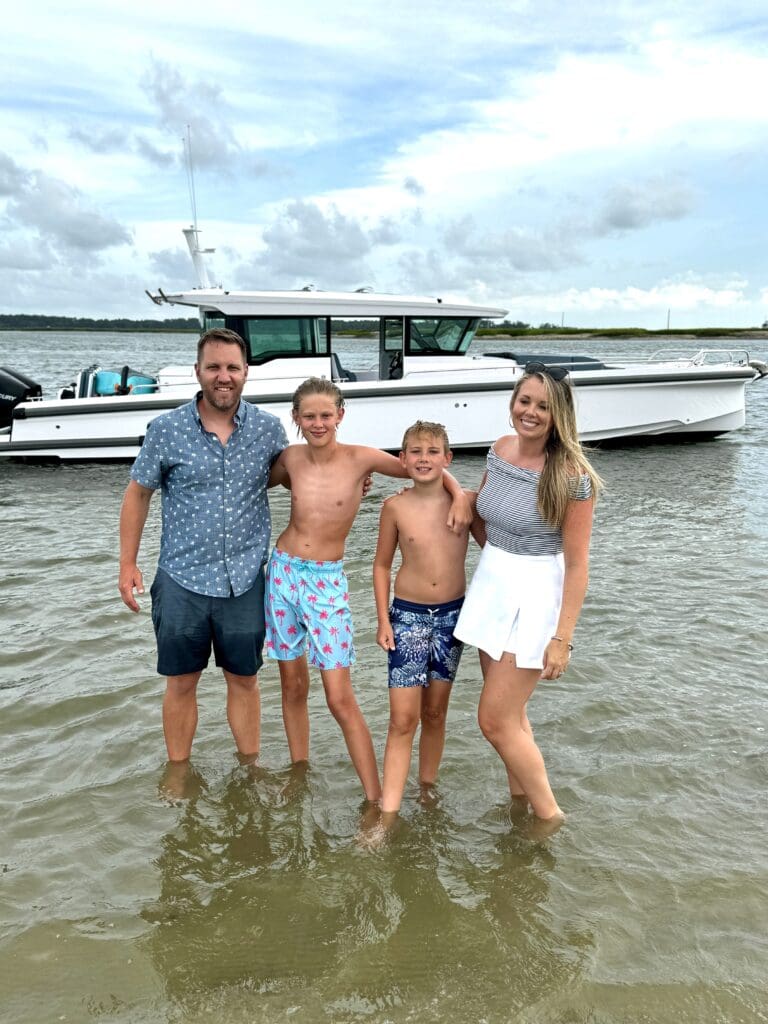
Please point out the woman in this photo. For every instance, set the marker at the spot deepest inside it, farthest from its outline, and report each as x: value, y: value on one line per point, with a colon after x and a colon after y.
x: 536, y: 501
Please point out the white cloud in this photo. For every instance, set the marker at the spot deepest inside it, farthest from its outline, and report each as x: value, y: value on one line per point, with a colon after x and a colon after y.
x: 496, y: 149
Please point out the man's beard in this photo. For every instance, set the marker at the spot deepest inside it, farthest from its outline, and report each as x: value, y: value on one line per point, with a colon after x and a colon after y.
x: 223, y: 401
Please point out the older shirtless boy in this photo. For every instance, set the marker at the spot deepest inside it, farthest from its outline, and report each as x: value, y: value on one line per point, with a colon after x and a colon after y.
x: 307, y: 602
x: 417, y: 629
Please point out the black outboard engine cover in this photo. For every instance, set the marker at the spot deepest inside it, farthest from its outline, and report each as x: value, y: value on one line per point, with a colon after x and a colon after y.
x: 15, y: 388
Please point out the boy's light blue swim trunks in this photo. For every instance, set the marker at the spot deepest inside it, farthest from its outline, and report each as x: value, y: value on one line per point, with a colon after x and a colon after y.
x: 307, y: 606
x: 425, y: 647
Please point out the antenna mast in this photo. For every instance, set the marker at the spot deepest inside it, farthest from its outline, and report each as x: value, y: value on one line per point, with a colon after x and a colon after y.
x: 192, y: 233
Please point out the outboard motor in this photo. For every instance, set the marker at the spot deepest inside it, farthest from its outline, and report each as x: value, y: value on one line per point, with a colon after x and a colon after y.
x: 15, y: 387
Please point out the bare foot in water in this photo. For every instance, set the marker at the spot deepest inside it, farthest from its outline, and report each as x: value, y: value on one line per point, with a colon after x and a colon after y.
x: 428, y: 794
x: 179, y: 782
x: 518, y: 804
x: 375, y: 832
x: 543, y: 828
x: 296, y: 783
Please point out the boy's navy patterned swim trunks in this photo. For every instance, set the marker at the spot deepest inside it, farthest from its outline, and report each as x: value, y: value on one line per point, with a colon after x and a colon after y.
x: 425, y: 647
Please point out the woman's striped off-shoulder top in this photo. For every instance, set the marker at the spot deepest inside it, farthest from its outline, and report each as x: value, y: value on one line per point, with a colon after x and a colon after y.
x: 507, y: 504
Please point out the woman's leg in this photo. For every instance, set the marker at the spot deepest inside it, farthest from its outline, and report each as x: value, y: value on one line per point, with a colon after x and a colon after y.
x: 515, y: 789
x: 404, y: 708
x: 503, y: 720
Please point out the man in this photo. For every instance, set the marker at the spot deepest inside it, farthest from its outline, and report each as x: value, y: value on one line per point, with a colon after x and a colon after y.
x: 211, y: 457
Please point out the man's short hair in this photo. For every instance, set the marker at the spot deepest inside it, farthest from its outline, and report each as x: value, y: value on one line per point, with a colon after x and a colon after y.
x: 425, y: 427
x: 226, y: 337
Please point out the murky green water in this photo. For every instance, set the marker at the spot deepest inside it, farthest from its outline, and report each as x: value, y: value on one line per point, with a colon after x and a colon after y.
x: 252, y: 901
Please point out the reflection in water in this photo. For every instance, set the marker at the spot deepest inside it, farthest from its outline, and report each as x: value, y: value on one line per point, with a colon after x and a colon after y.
x: 262, y: 911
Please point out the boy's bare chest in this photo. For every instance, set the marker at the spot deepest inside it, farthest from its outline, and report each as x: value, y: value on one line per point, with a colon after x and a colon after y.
x: 325, y: 492
x: 428, y: 534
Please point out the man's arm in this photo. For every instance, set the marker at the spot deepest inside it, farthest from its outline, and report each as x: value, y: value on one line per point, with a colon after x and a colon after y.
x: 133, y: 516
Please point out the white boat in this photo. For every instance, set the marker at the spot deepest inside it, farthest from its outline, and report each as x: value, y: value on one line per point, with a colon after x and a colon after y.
x: 421, y: 369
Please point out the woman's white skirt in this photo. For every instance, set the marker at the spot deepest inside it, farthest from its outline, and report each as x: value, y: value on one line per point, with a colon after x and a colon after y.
x: 513, y: 604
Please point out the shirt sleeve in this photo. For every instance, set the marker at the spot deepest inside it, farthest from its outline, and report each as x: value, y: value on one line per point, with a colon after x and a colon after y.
x: 279, y: 440
x: 583, y: 489
x: 147, y: 468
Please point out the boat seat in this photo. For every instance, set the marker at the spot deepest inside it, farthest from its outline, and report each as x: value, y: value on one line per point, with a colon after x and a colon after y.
x: 108, y: 382
x: 569, y: 361
x: 338, y: 373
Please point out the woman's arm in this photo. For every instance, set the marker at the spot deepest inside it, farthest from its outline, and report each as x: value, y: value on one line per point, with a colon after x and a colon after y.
x: 577, y: 531
x: 477, y: 528
x: 382, y: 573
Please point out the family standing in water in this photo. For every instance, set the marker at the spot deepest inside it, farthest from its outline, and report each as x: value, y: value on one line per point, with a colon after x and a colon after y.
x: 214, y: 459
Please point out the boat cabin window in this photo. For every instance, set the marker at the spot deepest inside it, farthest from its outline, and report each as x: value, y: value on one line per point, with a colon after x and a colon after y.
x: 440, y: 335
x: 273, y: 337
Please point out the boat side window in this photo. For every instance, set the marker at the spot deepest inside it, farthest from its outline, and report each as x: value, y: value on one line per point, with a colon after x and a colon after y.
x: 282, y: 337
x: 440, y: 335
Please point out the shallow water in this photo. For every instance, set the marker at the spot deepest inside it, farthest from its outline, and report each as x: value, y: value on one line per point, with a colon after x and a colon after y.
x: 251, y: 899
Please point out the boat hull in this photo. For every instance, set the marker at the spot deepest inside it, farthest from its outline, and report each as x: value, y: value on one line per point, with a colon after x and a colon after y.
x: 612, y: 405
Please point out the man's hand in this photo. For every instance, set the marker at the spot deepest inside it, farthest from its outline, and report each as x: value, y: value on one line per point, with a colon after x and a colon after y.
x: 130, y: 579
x: 367, y: 484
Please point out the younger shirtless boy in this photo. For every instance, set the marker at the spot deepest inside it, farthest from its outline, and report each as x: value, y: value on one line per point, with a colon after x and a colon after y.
x: 417, y: 629
x: 307, y: 598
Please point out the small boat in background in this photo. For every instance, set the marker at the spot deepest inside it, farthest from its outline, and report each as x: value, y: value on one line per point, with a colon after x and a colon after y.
x: 421, y: 368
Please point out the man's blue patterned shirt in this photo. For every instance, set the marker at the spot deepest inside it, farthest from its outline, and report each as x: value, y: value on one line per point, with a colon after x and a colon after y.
x: 215, y: 521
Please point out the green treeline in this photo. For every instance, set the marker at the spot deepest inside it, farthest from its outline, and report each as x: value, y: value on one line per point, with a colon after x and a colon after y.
x: 354, y: 328
x: 43, y: 322
x: 524, y: 331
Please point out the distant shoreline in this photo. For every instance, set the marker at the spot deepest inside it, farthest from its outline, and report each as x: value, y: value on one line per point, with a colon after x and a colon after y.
x: 37, y: 323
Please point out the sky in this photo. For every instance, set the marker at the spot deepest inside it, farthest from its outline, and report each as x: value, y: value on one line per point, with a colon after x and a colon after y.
x: 579, y: 164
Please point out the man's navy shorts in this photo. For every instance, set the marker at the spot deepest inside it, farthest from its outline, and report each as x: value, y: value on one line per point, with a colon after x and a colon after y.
x: 187, y: 625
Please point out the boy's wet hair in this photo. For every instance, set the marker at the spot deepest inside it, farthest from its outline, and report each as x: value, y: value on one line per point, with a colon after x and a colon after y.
x: 425, y: 427
x: 317, y: 386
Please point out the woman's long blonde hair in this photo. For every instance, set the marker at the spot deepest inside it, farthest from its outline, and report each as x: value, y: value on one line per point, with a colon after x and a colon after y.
x: 565, y: 460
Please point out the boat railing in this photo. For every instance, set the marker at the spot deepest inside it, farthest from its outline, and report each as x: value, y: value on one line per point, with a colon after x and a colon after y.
x: 736, y: 357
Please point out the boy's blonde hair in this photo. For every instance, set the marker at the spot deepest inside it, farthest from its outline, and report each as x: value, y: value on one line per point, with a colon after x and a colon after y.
x: 425, y: 427
x: 316, y: 386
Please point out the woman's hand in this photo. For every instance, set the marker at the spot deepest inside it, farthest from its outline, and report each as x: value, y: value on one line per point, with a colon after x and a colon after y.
x: 556, y: 658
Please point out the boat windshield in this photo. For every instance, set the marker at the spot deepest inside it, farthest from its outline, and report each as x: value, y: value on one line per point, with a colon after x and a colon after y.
x: 273, y: 337
x: 440, y: 335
